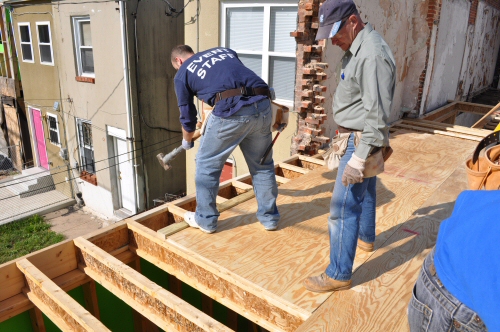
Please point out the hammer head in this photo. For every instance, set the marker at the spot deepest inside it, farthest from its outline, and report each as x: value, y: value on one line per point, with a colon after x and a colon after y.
x: 166, y: 166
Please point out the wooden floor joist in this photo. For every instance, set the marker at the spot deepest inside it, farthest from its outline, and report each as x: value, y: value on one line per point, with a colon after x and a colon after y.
x: 246, y: 298
x: 150, y: 300
x: 56, y: 304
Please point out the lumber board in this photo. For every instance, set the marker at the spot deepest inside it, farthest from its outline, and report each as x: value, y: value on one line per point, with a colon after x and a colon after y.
x: 172, y: 229
x: 293, y: 168
x: 177, y: 212
x: 13, y: 306
x: 37, y: 322
x: 63, y: 310
x: 246, y: 298
x: 281, y: 180
x: 440, y: 132
x: 110, y: 239
x: 236, y: 201
x: 55, y: 260
x: 485, y: 118
x: 447, y: 127
x: 149, y: 299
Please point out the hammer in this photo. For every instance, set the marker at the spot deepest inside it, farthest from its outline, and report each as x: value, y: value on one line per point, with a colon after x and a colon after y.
x: 165, y: 160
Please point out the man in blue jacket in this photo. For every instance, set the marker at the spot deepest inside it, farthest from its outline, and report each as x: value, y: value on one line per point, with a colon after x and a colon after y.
x: 241, y: 117
x: 458, y: 288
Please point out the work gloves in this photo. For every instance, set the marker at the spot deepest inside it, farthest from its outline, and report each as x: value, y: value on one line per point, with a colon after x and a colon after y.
x: 353, y: 172
x: 187, y: 145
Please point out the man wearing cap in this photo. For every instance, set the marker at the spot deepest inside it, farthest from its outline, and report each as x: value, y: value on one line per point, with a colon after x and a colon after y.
x: 361, y: 107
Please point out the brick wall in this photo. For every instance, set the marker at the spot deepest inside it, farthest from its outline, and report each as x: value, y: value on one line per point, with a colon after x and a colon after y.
x: 473, y: 12
x: 310, y: 74
x: 493, y: 3
x: 433, y: 14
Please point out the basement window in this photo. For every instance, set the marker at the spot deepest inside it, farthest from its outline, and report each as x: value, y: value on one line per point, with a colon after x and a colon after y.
x: 45, y: 43
x: 260, y: 34
x: 53, y: 129
x: 83, y: 46
x: 25, y: 41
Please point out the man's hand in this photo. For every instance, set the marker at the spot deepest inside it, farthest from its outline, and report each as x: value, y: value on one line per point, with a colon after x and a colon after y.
x: 353, y: 172
x: 187, y: 145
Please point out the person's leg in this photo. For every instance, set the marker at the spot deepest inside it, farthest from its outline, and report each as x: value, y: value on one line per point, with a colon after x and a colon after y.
x: 343, y: 222
x: 253, y: 147
x: 367, y: 219
x: 221, y: 137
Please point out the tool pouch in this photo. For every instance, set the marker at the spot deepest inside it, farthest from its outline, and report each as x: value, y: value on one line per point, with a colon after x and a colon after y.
x: 374, y: 164
x: 337, y: 149
x: 485, y: 171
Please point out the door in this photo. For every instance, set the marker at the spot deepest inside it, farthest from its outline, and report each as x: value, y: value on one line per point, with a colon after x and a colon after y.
x: 125, y: 175
x: 227, y: 171
x: 41, y: 148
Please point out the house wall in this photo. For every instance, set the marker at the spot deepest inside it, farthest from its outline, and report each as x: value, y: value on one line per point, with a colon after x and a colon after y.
x: 203, y: 33
x: 483, y: 43
x: 102, y: 102
x: 153, y: 97
x: 40, y: 84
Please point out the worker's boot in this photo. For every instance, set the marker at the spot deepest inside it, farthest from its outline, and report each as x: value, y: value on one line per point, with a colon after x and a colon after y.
x: 324, y: 283
x: 366, y: 246
x: 166, y: 166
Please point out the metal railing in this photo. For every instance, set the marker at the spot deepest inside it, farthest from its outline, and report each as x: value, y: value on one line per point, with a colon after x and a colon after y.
x: 35, y: 191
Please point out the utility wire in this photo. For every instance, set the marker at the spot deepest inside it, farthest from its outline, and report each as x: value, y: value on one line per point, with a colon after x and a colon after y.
x: 75, y: 168
x: 102, y: 169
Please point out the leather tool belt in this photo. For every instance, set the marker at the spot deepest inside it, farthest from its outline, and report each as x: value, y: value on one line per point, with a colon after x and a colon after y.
x: 243, y: 91
x: 485, y: 171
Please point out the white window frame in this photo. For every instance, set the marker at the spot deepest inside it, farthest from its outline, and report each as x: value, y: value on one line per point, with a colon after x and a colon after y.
x: 265, y: 53
x: 19, y: 25
x: 78, y: 47
x: 50, y: 115
x: 47, y: 23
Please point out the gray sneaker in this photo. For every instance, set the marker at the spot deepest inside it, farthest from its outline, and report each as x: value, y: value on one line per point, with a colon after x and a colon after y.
x: 271, y: 228
x: 190, y: 220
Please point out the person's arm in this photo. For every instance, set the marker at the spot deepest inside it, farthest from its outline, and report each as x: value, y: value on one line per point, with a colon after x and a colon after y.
x: 188, y: 120
x: 376, y: 80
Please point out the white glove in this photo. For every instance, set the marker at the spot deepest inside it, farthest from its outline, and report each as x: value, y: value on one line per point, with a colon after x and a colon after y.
x: 353, y: 172
x: 187, y: 145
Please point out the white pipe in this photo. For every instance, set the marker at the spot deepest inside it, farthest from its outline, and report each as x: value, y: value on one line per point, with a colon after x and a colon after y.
x: 126, y: 80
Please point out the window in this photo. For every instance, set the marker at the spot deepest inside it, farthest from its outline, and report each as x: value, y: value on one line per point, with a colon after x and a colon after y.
x: 83, y: 46
x: 53, y: 129
x: 25, y: 40
x: 260, y: 34
x: 45, y: 43
x: 85, y: 145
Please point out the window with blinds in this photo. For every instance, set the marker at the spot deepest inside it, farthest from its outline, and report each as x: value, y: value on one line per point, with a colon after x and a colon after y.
x: 85, y: 145
x: 53, y: 129
x: 260, y: 34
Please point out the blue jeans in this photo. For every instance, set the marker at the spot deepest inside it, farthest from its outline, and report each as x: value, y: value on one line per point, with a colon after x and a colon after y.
x: 352, y: 215
x: 433, y: 308
x: 250, y: 128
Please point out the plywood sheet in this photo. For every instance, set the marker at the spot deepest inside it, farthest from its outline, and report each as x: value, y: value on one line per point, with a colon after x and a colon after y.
x: 278, y: 261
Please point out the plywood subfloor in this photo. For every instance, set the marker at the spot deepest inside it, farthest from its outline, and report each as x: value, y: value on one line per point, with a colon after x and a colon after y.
x: 279, y: 261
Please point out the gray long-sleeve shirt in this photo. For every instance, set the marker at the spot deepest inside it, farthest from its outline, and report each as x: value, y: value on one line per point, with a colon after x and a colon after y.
x: 364, y: 95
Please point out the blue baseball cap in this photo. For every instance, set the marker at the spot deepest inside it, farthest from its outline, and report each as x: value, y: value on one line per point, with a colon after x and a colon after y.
x: 331, y: 14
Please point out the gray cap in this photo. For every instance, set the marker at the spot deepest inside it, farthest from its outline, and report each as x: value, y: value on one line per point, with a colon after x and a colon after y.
x: 331, y: 14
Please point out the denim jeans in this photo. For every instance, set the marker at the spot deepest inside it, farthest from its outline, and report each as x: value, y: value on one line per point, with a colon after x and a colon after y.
x: 250, y: 129
x: 434, y: 309
x: 352, y: 215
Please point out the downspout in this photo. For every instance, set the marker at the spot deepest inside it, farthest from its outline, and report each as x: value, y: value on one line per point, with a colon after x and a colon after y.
x: 126, y: 80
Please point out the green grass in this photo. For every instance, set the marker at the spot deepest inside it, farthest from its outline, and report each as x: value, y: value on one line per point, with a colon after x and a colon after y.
x: 24, y: 236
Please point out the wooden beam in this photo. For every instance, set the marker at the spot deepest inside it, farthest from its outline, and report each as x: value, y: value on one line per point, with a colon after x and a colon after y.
x: 13, y: 306
x: 440, y: 132
x: 236, y: 200
x: 172, y: 229
x: 293, y: 168
x: 484, y: 119
x: 281, y: 179
x: 235, y: 292
x: 90, y: 296
x: 58, y: 306
x: 446, y: 127
x: 219, y: 200
x: 150, y: 300
x: 37, y: 322
x: 242, y: 185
